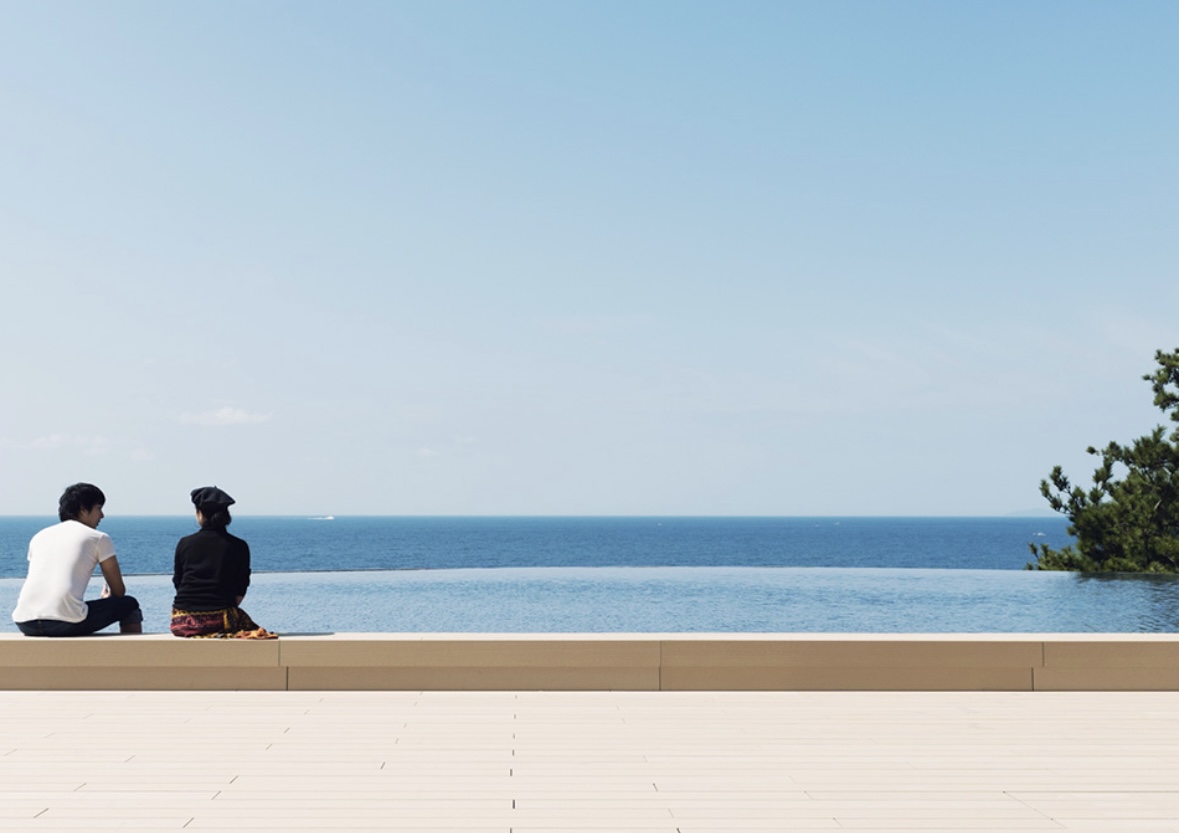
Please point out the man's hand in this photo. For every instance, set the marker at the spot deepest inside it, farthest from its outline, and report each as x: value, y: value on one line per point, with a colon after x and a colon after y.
x: 113, y: 576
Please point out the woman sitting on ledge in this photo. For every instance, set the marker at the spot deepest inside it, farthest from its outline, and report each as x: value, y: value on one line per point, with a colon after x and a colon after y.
x: 211, y: 575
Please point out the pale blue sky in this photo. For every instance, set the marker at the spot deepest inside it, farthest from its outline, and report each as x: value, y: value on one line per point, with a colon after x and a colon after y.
x: 581, y: 257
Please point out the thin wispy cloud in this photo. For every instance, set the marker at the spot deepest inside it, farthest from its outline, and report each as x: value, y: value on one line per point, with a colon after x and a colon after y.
x: 592, y: 325
x: 224, y: 416
x: 53, y: 442
x: 457, y: 445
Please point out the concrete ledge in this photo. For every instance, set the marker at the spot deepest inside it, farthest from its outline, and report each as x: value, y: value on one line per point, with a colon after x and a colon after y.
x: 602, y: 662
x: 150, y: 661
x: 473, y: 662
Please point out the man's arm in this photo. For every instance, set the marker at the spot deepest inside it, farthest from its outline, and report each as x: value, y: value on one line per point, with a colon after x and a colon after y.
x: 113, y: 576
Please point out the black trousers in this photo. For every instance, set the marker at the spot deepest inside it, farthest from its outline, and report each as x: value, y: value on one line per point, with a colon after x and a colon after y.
x: 100, y: 613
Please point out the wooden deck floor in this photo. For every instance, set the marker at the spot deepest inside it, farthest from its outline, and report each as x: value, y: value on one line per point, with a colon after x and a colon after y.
x: 641, y: 761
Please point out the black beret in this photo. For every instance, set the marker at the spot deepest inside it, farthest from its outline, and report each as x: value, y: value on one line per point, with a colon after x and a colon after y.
x: 211, y: 498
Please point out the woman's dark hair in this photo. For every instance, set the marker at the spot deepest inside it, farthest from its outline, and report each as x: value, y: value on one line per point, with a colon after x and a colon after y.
x: 216, y: 518
x: 79, y: 498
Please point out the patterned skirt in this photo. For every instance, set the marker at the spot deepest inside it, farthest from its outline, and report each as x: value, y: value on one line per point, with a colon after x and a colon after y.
x: 231, y: 623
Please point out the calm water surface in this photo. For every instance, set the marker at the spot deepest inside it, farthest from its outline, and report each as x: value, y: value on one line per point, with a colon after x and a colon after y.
x: 145, y: 545
x: 671, y: 599
x: 640, y: 575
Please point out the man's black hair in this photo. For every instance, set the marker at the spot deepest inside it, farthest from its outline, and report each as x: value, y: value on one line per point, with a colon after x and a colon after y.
x: 79, y: 498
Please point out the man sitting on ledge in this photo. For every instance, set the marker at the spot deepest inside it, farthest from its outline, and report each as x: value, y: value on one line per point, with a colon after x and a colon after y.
x: 61, y: 561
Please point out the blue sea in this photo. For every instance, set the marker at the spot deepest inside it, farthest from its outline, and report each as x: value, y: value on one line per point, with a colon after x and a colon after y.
x: 476, y: 574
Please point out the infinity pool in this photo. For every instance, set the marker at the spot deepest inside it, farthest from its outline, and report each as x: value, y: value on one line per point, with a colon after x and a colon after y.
x: 683, y: 599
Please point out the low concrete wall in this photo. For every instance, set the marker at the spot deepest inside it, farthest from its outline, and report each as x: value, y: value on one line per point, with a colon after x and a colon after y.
x: 636, y: 662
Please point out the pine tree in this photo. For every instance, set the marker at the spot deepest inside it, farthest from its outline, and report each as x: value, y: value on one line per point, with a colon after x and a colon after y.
x: 1128, y: 521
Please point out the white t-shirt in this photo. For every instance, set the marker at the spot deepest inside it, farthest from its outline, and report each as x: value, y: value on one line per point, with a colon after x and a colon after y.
x: 61, y: 560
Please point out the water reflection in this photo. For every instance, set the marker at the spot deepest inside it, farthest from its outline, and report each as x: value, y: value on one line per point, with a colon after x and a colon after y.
x: 1151, y: 601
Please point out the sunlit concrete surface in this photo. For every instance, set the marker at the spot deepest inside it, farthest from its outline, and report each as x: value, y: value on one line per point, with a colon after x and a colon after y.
x: 674, y: 762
